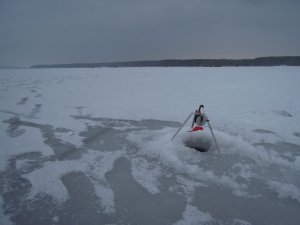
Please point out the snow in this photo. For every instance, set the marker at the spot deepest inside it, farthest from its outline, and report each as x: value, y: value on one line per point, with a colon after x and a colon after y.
x: 140, y: 167
x: 58, y: 121
x: 94, y: 164
x: 55, y: 219
x: 285, y: 190
x: 193, y: 216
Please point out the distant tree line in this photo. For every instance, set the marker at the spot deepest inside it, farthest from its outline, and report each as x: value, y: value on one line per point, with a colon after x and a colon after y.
x: 262, y: 61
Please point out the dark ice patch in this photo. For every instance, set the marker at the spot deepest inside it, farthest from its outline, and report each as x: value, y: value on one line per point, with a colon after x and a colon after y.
x: 83, y: 205
x: 13, y: 130
x: 135, y: 205
x: 14, y: 189
x: 62, y: 130
x: 150, y: 124
x: 79, y: 109
x: 35, y: 110
x: 103, y: 138
x: 111, y: 134
x: 158, y: 124
x: 38, y: 106
x: 32, y: 114
x: 39, y: 210
x: 11, y: 113
x: 35, y: 160
x: 282, y: 113
x: 286, y: 150
x: 16, y: 132
x: 297, y: 134
x: 267, y: 208
x: 263, y: 131
x: 38, y: 95
x: 23, y: 101
x: 281, y: 146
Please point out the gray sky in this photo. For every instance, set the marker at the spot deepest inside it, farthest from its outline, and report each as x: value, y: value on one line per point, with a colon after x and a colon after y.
x: 69, y: 31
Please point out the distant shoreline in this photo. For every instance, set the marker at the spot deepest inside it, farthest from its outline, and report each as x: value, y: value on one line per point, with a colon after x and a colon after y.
x: 261, y: 61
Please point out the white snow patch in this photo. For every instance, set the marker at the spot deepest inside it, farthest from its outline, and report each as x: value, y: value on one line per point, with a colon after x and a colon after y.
x: 70, y: 137
x: 94, y: 164
x: 106, y: 194
x: 100, y: 163
x: 192, y: 216
x: 234, y: 144
x: 99, y: 166
x: 285, y: 190
x: 146, y: 174
x: 157, y: 145
x: 189, y: 186
x: 244, y: 170
x: 55, y: 219
x: 240, y: 222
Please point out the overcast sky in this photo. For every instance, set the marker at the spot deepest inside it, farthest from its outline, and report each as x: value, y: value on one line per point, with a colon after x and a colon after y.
x: 69, y: 31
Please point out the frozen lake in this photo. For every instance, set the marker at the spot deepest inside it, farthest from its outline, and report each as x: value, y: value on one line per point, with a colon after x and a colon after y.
x: 92, y: 146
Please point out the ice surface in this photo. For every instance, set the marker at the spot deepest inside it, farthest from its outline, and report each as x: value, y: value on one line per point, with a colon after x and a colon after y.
x: 140, y: 167
x: 30, y: 140
x: 94, y: 164
x: 5, y: 219
x: 285, y: 190
x: 91, y: 146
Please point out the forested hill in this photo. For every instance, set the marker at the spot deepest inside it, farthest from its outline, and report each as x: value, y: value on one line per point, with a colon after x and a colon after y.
x: 262, y: 61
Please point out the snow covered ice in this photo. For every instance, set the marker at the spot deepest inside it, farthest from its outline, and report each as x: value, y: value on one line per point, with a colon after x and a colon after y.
x: 92, y: 146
